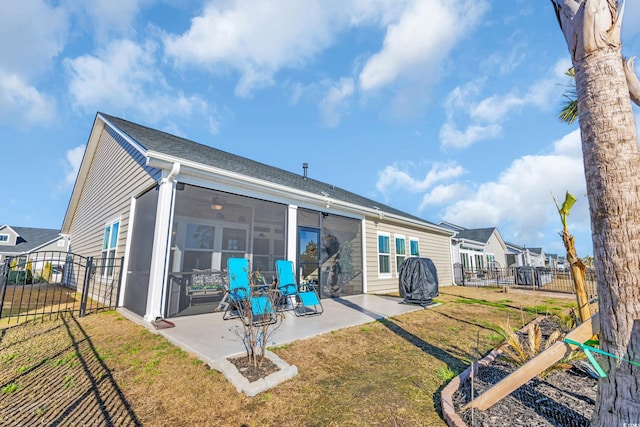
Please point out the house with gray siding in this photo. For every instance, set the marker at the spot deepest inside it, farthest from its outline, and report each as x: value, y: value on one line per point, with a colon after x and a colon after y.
x: 22, y: 241
x: 477, y: 249
x: 174, y: 208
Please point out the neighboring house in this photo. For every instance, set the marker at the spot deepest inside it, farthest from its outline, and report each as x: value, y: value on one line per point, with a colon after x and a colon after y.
x: 21, y: 241
x: 33, y: 245
x: 555, y: 262
x: 534, y: 257
x: 514, y: 255
x: 171, y: 206
x: 478, y: 248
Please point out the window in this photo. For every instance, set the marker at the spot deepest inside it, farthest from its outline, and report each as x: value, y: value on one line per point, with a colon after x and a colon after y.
x: 401, y: 251
x: 198, y: 246
x: 4, y: 237
x: 109, y: 244
x: 384, y: 254
x: 465, y: 261
x: 415, y: 247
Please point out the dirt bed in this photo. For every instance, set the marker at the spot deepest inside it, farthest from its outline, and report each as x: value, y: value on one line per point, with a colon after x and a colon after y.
x: 564, y: 398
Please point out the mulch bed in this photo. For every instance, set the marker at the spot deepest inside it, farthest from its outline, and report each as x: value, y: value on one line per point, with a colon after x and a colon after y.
x: 251, y: 372
x: 565, y: 398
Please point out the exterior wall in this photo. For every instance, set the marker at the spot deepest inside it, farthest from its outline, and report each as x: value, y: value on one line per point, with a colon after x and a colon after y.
x: 54, y: 246
x: 494, y: 247
x: 115, y: 176
x: 432, y: 245
x: 11, y: 241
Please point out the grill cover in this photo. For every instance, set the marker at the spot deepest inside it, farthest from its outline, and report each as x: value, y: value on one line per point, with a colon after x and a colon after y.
x: 418, y: 281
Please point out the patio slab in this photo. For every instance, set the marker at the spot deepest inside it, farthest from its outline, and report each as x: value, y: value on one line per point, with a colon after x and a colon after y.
x: 210, y: 337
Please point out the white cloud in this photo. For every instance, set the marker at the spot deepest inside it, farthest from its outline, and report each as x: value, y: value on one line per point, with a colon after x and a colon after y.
x: 254, y: 38
x: 520, y: 200
x: 107, y: 17
x: 443, y: 194
x: 456, y: 138
x: 22, y: 103
x: 124, y: 77
x: 416, y: 44
x: 336, y: 101
x: 396, y: 177
x: 72, y: 165
x: 483, y: 116
x: 32, y: 33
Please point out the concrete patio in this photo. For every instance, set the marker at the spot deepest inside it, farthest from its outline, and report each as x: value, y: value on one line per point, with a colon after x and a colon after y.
x: 210, y: 337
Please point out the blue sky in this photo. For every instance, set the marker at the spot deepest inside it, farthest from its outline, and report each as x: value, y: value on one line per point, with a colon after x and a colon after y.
x: 445, y: 109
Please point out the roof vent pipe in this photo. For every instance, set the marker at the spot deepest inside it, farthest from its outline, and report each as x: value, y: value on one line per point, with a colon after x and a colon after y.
x: 305, y: 166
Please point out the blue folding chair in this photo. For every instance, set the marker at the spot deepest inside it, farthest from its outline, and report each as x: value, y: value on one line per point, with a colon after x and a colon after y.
x: 238, y: 289
x: 306, y: 296
x: 243, y: 298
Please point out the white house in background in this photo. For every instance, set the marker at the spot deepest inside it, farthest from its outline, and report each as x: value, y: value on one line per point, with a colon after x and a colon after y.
x: 534, y: 257
x: 478, y: 248
x: 515, y: 255
x: 172, y: 206
x: 556, y: 262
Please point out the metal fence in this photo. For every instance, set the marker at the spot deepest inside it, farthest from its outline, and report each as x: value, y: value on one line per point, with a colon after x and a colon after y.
x: 537, y: 279
x: 45, y: 284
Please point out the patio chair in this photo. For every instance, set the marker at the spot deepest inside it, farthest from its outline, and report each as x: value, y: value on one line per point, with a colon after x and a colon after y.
x: 306, y: 295
x: 242, y: 297
x: 286, y: 285
x: 238, y: 289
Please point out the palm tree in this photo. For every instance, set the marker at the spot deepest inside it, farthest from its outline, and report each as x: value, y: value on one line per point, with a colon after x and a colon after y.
x: 612, y: 170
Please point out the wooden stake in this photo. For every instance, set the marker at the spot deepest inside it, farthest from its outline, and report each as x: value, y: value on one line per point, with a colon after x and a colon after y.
x: 544, y: 360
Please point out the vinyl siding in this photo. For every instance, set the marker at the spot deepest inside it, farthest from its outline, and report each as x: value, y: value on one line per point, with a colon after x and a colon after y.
x: 115, y: 176
x: 494, y: 246
x: 432, y: 245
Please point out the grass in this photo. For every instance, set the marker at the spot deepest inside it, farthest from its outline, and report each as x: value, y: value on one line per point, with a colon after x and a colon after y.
x: 106, y: 370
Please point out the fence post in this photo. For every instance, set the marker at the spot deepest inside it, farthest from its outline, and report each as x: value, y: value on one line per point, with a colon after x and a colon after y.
x: 85, y: 286
x: 4, y: 279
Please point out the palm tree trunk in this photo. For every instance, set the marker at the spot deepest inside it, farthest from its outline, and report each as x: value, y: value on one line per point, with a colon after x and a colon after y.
x: 612, y: 169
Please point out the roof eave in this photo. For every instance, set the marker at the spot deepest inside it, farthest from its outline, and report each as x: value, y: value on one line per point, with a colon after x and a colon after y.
x: 188, y: 167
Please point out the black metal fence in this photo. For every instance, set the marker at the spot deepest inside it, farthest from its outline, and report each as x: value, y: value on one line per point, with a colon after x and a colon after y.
x: 535, y: 278
x: 48, y: 283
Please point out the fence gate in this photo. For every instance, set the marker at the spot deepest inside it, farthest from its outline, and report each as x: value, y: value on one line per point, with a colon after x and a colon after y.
x: 48, y: 283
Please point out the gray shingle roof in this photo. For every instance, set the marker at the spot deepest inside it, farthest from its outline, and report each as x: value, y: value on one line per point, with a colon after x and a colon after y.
x: 30, y: 238
x: 162, y: 142
x: 481, y: 235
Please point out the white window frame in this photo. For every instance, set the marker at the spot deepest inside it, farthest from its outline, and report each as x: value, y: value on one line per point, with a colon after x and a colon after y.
x: 395, y: 247
x: 411, y: 240
x: 386, y: 274
x: 109, y: 248
x: 4, y: 238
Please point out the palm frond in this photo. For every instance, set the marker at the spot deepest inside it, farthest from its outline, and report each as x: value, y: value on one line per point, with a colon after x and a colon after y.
x: 534, y: 336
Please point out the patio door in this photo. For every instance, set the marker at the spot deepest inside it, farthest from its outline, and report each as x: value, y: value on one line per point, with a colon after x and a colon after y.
x: 308, y: 255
